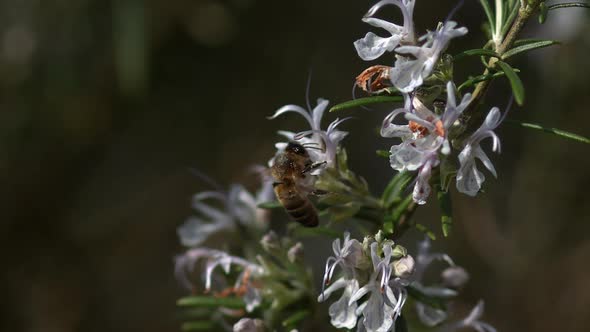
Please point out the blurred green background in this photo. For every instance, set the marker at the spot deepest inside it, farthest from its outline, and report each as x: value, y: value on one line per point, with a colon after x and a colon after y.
x: 106, y: 105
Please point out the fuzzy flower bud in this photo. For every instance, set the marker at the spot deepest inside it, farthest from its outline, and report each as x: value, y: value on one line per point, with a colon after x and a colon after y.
x: 270, y: 241
x: 454, y: 277
x: 249, y: 325
x: 399, y: 252
x: 404, y: 267
x: 295, y: 253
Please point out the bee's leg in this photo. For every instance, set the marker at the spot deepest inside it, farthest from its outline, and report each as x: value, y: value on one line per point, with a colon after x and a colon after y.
x: 312, y: 167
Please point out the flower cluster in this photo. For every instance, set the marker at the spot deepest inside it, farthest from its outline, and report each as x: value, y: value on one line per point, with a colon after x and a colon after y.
x: 239, y: 207
x: 322, y: 145
x: 374, y: 276
x: 427, y: 135
x: 244, y: 286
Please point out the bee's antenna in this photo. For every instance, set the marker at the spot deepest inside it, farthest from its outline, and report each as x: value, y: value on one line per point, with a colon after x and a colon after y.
x: 307, y: 88
x: 203, y: 177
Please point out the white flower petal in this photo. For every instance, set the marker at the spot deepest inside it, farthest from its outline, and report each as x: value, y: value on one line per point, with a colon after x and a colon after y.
x: 407, y: 74
x: 318, y: 113
x: 430, y: 316
x: 372, y: 46
x: 389, y: 129
x: 341, y: 313
x: 195, y: 231
x: 378, y: 317
x: 293, y: 108
x: 404, y: 156
x: 469, y: 179
x: 479, y: 154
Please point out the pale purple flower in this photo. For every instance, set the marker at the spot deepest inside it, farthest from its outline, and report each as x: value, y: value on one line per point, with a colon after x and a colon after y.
x: 427, y: 314
x: 248, y: 325
x: 343, y: 314
x: 184, y: 264
x: 409, y: 73
x: 321, y: 144
x: 348, y: 257
x: 382, y: 307
x: 372, y: 46
x: 423, y: 138
x: 471, y: 321
x: 469, y: 178
x: 238, y: 206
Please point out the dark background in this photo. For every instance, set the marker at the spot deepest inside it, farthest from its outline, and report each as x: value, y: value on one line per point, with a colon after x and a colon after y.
x: 105, y: 105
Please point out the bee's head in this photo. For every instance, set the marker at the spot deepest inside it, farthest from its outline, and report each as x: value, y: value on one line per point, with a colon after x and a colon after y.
x: 296, y: 148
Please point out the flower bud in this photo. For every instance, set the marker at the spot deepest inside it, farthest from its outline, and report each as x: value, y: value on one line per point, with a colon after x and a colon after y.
x: 403, y: 267
x: 295, y: 253
x: 249, y: 325
x: 270, y: 241
x: 367, y: 245
x: 399, y: 252
x: 454, y: 277
x: 379, y: 237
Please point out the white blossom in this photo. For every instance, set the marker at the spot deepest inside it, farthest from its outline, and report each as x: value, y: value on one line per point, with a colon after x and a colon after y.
x: 238, y: 206
x: 185, y: 264
x: 423, y: 138
x: 469, y: 178
x: 321, y: 144
x: 372, y: 46
x: 471, y: 321
x: 427, y: 314
x: 348, y: 256
x: 382, y: 307
x: 342, y: 312
x: 409, y: 73
x: 248, y: 325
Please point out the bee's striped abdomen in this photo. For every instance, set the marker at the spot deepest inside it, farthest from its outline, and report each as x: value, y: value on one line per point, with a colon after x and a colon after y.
x: 298, y: 207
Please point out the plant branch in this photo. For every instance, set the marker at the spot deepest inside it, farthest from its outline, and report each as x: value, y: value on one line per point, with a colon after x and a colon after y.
x: 524, y: 14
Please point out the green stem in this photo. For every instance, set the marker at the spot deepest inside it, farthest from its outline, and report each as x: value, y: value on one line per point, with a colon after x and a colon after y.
x: 524, y: 14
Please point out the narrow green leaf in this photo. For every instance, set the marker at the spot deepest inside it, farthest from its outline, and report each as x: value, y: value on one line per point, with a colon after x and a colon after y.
x: 402, y: 207
x: 366, y: 101
x: 511, y: 17
x: 480, y: 78
x: 446, y: 211
x: 388, y: 222
x: 426, y: 231
x: 296, y: 318
x: 210, y: 301
x: 395, y: 188
x: 568, y: 5
x: 269, y: 205
x: 528, y: 47
x: 391, y: 220
x: 555, y: 131
x: 476, y: 52
x: 543, y: 10
x: 515, y: 82
x: 488, y: 10
x: 198, y: 326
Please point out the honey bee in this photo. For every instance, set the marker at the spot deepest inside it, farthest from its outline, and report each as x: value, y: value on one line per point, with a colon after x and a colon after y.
x: 291, y: 184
